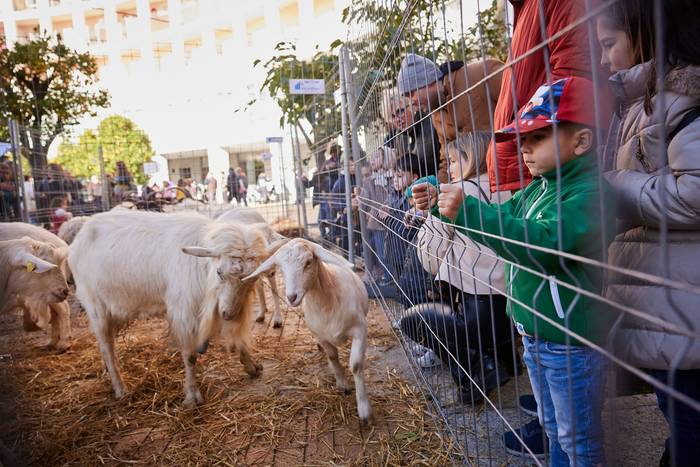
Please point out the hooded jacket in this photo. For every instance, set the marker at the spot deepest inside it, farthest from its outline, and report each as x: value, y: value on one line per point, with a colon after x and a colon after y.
x: 534, y: 216
x: 569, y: 55
x: 656, y: 184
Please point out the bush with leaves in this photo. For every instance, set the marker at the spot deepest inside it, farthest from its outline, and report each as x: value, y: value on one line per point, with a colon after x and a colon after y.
x: 121, y: 140
x: 46, y: 87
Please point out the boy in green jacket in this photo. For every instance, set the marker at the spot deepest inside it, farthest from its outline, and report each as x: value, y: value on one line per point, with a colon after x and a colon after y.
x: 549, y: 294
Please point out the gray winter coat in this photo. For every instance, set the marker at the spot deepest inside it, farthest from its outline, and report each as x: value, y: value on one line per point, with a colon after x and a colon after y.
x: 643, y: 169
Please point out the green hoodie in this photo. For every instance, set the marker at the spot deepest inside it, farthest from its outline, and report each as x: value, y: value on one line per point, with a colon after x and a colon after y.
x: 532, y: 216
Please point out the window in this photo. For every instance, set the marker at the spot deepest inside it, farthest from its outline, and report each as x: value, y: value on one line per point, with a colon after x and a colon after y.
x: 253, y: 26
x: 185, y: 172
x: 289, y: 14
x: 323, y: 6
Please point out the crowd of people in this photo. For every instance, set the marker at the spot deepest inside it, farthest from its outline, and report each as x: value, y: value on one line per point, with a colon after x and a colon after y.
x: 487, y: 216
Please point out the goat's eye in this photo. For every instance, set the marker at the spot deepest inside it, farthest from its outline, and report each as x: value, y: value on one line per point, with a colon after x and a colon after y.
x: 308, y: 263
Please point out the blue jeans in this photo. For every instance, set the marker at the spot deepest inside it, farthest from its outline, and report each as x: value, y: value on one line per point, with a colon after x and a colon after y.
x: 324, y: 214
x: 376, y: 238
x: 569, y: 400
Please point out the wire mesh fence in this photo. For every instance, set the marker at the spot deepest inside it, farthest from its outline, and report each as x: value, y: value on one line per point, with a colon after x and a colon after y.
x: 536, y: 287
x: 88, y: 174
x: 517, y: 183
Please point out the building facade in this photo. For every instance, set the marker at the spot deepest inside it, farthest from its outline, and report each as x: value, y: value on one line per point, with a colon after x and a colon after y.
x: 183, y: 69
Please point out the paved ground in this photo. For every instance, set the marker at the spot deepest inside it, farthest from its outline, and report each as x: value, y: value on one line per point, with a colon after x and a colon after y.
x: 635, y: 428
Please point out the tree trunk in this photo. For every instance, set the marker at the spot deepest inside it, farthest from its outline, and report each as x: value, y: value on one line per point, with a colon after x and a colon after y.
x: 37, y: 155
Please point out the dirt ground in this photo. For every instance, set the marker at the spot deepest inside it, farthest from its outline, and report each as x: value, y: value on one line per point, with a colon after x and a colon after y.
x: 58, y: 409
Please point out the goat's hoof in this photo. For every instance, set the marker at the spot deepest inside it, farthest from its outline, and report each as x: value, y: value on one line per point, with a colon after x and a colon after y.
x: 367, y: 421
x: 259, y: 319
x: 320, y: 349
x: 277, y: 324
x: 119, y: 393
x: 202, y: 349
x: 255, y: 371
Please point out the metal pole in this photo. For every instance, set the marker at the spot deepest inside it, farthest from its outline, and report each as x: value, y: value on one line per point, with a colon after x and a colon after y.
x: 17, y: 158
x: 106, y: 205
x: 297, y: 177
x: 356, y: 155
x: 301, y: 184
x: 344, y: 72
x: 283, y: 195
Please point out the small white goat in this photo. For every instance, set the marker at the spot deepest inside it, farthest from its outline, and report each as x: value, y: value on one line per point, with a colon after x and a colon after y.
x: 334, y: 302
x: 255, y: 220
x: 39, y: 314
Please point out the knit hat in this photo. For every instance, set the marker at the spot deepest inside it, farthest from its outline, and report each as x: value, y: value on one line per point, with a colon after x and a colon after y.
x: 416, y: 72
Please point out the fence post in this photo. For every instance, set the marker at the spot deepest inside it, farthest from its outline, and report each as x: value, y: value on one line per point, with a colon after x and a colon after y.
x: 356, y: 154
x: 17, y: 157
x: 344, y: 72
x: 300, y: 183
x: 283, y: 195
x: 297, y: 178
x: 105, y: 183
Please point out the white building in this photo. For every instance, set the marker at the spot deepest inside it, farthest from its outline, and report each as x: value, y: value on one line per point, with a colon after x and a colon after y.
x: 181, y: 68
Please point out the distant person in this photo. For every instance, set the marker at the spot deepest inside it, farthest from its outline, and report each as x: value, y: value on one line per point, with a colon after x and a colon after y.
x: 211, y: 184
x: 242, y: 193
x: 232, y: 184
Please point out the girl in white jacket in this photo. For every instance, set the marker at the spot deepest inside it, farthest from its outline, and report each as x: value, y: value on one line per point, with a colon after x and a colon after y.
x: 467, y: 320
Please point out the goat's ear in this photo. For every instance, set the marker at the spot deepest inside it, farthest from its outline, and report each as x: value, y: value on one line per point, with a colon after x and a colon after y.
x: 265, y: 267
x: 33, y: 263
x: 199, y: 251
x: 276, y: 245
x: 329, y: 257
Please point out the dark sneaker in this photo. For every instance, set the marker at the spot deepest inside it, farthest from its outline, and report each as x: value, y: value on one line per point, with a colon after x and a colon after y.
x: 494, y: 375
x: 528, y: 404
x: 533, y: 437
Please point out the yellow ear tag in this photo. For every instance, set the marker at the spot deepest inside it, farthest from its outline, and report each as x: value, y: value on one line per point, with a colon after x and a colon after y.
x: 30, y: 266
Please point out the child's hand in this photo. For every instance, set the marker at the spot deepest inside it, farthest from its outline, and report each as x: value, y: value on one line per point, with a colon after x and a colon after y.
x: 424, y: 196
x: 450, y: 199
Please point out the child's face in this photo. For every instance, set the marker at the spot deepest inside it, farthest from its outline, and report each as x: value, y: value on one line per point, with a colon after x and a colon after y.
x: 403, y: 179
x: 539, y: 148
x: 616, y: 48
x: 458, y: 165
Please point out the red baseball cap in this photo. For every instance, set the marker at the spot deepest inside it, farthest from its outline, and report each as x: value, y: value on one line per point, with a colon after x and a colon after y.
x: 565, y: 100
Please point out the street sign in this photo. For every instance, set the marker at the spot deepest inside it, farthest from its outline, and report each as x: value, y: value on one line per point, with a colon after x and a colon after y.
x: 150, y: 168
x: 307, y: 86
x: 274, y: 139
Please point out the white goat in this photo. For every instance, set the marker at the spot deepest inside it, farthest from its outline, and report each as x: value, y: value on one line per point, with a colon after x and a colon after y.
x: 37, y: 313
x: 128, y: 264
x: 334, y: 302
x: 70, y: 228
x: 256, y: 220
x: 24, y: 274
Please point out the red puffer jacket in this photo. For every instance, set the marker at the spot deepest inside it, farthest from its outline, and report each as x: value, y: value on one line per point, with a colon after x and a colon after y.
x: 569, y: 56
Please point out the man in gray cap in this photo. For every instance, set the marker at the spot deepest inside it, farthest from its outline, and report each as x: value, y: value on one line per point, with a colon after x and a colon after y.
x: 441, y: 93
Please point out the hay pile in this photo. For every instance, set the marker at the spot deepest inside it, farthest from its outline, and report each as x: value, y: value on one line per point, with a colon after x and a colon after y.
x: 59, y: 409
x: 287, y: 227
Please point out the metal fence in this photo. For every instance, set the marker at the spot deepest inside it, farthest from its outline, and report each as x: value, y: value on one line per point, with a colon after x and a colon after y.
x: 568, y: 293
x: 585, y: 302
x: 38, y: 189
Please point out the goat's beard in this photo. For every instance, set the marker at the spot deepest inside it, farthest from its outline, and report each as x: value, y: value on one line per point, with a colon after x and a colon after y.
x: 242, y: 297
